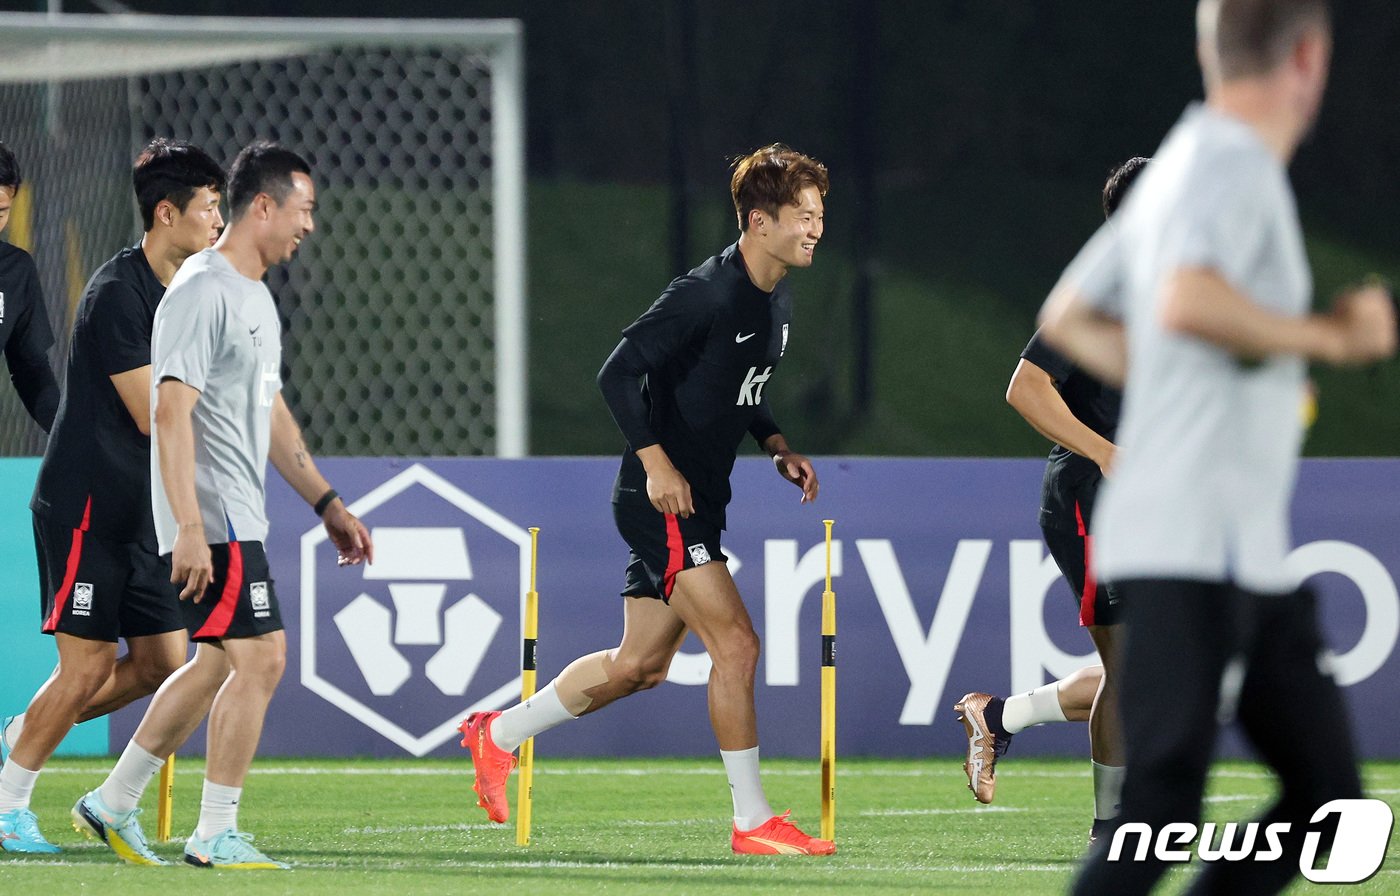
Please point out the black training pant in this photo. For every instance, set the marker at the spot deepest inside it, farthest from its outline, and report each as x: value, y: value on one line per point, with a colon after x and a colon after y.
x: 1181, y: 637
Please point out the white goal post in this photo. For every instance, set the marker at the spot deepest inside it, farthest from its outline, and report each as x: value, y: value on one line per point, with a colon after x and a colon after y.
x: 405, y: 314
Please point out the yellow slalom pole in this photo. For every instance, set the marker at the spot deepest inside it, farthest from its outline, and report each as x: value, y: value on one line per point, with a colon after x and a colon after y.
x: 525, y: 783
x: 165, y: 806
x: 828, y: 830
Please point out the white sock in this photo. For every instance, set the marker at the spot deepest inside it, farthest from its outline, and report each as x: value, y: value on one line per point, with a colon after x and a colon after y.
x: 1108, y: 790
x: 524, y: 720
x: 12, y: 730
x: 129, y: 778
x: 218, y: 810
x: 751, y: 807
x: 1035, y: 708
x: 16, y: 786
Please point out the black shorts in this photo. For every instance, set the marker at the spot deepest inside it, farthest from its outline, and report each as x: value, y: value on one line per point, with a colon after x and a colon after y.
x: 93, y: 587
x: 240, y: 601
x: 1099, y: 602
x: 663, y: 545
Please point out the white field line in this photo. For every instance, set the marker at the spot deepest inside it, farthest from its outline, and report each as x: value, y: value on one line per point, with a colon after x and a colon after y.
x: 937, y: 768
x: 706, y: 867
x: 980, y: 810
x: 194, y: 768
x: 669, y: 823
x: 423, y: 829
x: 1235, y: 797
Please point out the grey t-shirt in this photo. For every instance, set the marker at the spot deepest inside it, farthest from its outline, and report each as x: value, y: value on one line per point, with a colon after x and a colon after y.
x: 218, y: 331
x: 1208, y: 443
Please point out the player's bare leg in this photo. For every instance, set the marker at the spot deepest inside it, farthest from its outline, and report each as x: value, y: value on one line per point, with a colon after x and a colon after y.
x: 83, y: 666
x: 652, y: 633
x: 182, y: 703
x: 1077, y: 692
x: 236, y: 717
x: 109, y: 813
x: 707, y: 601
x: 148, y: 662
x: 1105, y: 729
x: 991, y: 722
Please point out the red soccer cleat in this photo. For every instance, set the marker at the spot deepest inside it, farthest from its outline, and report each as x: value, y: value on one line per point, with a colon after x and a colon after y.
x: 492, y: 765
x: 779, y: 837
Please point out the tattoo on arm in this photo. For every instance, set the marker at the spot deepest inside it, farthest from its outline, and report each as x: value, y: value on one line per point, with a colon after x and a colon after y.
x: 301, y: 454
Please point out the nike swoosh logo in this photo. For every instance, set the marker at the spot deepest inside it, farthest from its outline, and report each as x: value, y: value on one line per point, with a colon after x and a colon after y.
x: 254, y: 330
x: 740, y: 337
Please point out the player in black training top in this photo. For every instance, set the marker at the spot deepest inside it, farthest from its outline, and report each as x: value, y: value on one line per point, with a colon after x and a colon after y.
x: 685, y: 385
x: 1080, y: 414
x: 25, y: 335
x: 101, y: 576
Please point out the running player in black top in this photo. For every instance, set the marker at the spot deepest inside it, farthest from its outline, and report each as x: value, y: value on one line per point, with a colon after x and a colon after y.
x: 101, y: 576
x: 685, y: 384
x: 25, y: 335
x: 1080, y: 414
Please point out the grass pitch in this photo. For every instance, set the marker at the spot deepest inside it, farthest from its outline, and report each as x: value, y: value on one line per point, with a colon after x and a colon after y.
x: 628, y: 826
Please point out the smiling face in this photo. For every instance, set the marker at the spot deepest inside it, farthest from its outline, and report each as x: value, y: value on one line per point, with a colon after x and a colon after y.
x: 792, y: 237
x: 285, y: 225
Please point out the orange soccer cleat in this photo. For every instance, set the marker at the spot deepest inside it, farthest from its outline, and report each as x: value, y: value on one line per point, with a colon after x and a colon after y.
x: 492, y: 765
x: 779, y: 837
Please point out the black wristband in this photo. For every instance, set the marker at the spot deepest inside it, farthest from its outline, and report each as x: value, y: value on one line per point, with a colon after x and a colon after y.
x: 326, y: 499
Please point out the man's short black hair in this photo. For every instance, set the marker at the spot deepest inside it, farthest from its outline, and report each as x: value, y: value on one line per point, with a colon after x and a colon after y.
x: 1251, y: 37
x: 9, y: 169
x: 173, y: 171
x: 262, y: 167
x: 1118, y: 183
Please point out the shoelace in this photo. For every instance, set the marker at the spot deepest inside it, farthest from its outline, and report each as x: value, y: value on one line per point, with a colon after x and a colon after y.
x: 114, y: 820
x: 782, y: 823
x: 137, y: 836
x: 27, y: 826
x: 243, y: 849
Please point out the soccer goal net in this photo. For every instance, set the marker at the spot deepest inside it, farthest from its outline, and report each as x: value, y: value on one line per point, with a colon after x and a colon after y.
x: 403, y: 315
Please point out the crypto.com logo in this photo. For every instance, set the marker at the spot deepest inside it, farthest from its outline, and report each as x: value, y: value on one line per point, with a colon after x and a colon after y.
x: 1363, y: 833
x: 403, y: 654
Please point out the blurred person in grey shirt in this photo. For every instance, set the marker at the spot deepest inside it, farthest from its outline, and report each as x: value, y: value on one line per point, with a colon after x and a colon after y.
x: 1197, y: 299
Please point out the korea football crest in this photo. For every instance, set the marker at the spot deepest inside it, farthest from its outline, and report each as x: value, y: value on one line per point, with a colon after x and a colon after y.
x: 82, y: 599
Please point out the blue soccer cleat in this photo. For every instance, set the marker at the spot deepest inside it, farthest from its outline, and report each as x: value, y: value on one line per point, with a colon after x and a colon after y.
x: 119, y: 830
x: 19, y: 832
x: 232, y: 849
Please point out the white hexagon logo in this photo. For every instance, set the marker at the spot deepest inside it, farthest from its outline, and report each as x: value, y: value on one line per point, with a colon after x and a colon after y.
x: 403, y: 649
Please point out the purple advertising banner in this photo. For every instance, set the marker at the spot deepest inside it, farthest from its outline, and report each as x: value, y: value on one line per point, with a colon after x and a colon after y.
x: 942, y: 585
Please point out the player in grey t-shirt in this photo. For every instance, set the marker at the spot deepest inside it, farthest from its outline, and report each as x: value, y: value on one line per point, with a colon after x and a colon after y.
x: 219, y: 418
x: 1203, y: 286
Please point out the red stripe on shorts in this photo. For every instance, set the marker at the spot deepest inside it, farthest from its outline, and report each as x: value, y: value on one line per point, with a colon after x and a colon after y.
x: 70, y: 572
x: 675, y: 552
x: 216, y: 626
x: 1091, y: 588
